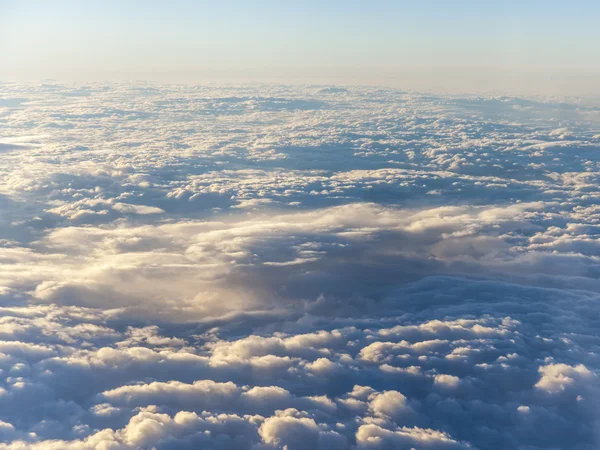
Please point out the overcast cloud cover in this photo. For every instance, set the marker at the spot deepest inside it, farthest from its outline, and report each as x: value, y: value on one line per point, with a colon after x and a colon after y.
x: 274, y: 267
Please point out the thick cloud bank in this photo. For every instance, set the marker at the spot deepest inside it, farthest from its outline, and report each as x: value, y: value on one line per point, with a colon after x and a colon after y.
x: 270, y: 267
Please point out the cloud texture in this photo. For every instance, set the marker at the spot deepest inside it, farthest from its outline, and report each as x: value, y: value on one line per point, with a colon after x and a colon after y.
x: 272, y: 267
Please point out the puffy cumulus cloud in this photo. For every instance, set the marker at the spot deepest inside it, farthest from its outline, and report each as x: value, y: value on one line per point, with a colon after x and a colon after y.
x: 204, y: 394
x: 558, y: 377
x: 448, y: 381
x: 289, y: 429
x: 150, y: 427
x: 276, y: 267
x: 373, y: 436
x: 389, y: 403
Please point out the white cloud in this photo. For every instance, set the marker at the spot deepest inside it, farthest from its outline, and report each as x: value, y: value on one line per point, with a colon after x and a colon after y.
x: 446, y: 381
x: 389, y: 403
x: 558, y: 377
x: 376, y: 437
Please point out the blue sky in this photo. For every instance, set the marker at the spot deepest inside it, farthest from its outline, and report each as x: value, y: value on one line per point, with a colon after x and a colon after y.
x: 139, y: 38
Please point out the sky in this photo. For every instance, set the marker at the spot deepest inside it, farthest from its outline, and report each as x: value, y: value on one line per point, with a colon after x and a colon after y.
x: 466, y: 45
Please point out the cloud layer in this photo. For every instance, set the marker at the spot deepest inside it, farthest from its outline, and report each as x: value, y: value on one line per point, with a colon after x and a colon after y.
x: 271, y: 267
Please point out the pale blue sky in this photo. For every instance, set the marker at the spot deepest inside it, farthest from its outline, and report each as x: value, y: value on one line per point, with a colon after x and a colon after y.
x: 343, y: 40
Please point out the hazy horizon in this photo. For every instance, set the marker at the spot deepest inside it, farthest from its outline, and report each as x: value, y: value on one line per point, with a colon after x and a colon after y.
x: 539, y: 48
